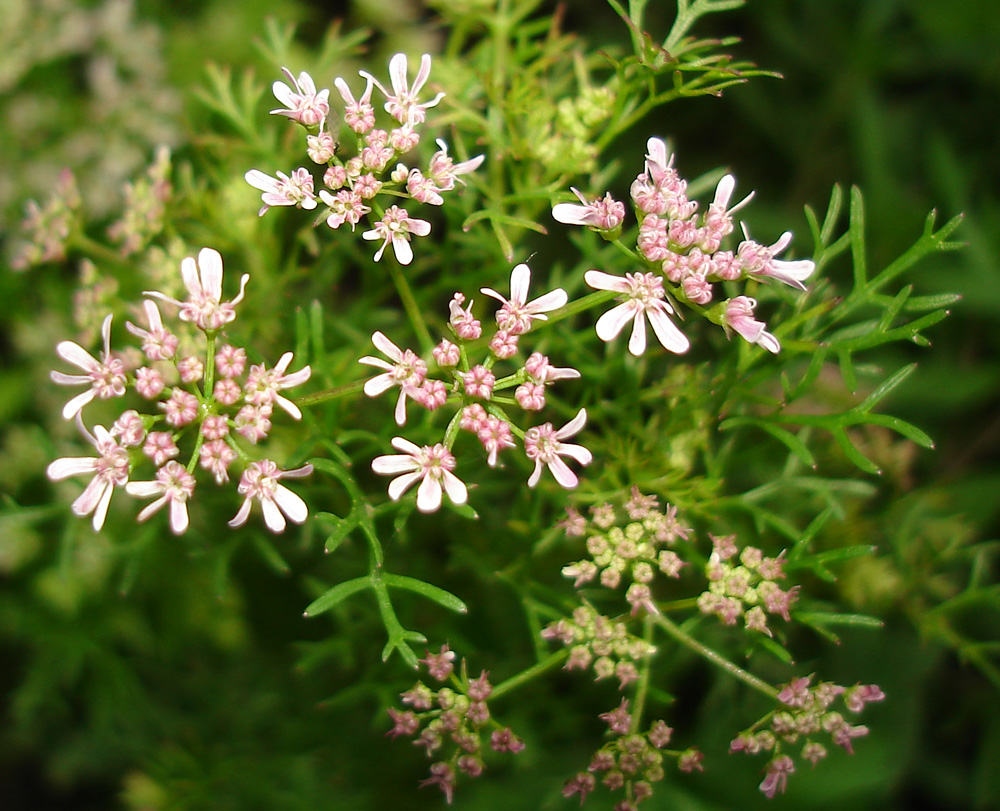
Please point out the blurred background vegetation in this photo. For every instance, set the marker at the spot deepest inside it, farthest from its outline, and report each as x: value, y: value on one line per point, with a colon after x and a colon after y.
x: 190, y: 698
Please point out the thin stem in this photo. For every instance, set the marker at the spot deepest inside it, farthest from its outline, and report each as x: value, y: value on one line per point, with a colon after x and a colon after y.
x: 330, y: 394
x: 716, y: 659
x: 642, y: 688
x: 527, y: 675
x: 413, y: 311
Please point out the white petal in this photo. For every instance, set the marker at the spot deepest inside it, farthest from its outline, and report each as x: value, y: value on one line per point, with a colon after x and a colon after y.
x: 570, y: 214
x: 400, y: 412
x: 402, y: 249
x: 101, y: 510
x: 189, y: 273
x: 455, y: 488
x: 291, y: 504
x: 70, y: 466
x: 637, y: 340
x: 283, y: 93
x: 240, y: 518
x: 400, y: 485
x: 273, y: 518
x: 72, y: 408
x: 429, y: 495
x: 290, y: 408
x: 612, y: 322
x: 724, y: 191
x: 552, y: 300
x: 577, y: 452
x: 536, y: 474
x: 397, y: 73
x: 419, y: 227
x: 574, y: 426
x: 295, y: 378
x: 520, y: 278
x: 605, y: 281
x: 144, y: 489
x: 260, y: 181
x: 560, y: 470
x: 769, y: 342
x: 210, y: 262
x: 74, y: 353
x: 149, y: 509
x: 401, y: 444
x: 386, y: 347
x: 63, y: 379
x: 394, y: 464
x: 379, y: 384
x: 667, y: 332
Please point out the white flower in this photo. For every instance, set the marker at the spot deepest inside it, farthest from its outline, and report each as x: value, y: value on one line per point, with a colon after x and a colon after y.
x: 263, y: 385
x: 296, y: 190
x: 544, y: 446
x: 402, y: 102
x: 303, y: 103
x: 644, y: 298
x: 516, y: 314
x: 261, y: 481
x: 603, y: 214
x: 738, y: 316
x: 105, y: 376
x: 174, y: 486
x: 430, y: 465
x: 204, y: 306
x: 758, y: 260
x: 110, y: 469
x: 395, y: 227
x: 406, y: 371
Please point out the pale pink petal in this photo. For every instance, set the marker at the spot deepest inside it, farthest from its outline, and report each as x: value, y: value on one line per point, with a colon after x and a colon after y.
x: 379, y: 384
x: 455, y: 488
x: 241, y: 517
x: 72, y: 408
x: 403, y: 483
x: 290, y: 408
x: 143, y: 489
x: 637, y: 341
x: 404, y: 445
x: 397, y: 73
x: 284, y: 94
x: 574, y: 426
x: 605, y: 281
x: 386, y: 347
x: 393, y: 465
x: 400, y: 413
x: 101, y: 510
x: 63, y: 379
x: 560, y: 470
x: 210, y: 262
x: 74, y: 353
x: 91, y: 496
x: 422, y: 74
x: 536, y: 474
x: 613, y: 321
x: 577, y: 452
x: 291, y: 504
x: 667, y: 332
x: 273, y: 518
x: 260, y: 181
x: 149, y: 509
x: 189, y: 273
x: 401, y: 247
x: 520, y: 278
x: 552, y: 300
x: 70, y: 466
x: 769, y: 342
x: 571, y: 214
x: 419, y: 227
x: 429, y: 495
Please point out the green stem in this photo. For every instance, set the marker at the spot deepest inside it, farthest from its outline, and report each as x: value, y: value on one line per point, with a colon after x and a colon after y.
x: 642, y: 688
x: 716, y: 659
x: 330, y: 394
x: 95, y: 250
x: 413, y: 310
x: 527, y: 675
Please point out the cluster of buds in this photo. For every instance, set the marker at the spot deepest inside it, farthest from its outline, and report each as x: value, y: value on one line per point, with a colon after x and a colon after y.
x: 481, y: 396
x: 349, y: 189
x: 682, y: 257
x: 635, y: 551
x: 47, y: 228
x: 806, y: 712
x: 452, y: 723
x: 630, y: 761
x: 212, y: 398
x: 145, y: 206
x: 599, y: 641
x: 744, y: 584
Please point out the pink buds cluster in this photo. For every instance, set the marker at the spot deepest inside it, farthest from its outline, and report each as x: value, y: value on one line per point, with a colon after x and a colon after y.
x: 683, y: 257
x: 805, y: 714
x: 631, y: 761
x: 349, y: 184
x: 743, y: 585
x: 209, y: 399
x: 452, y: 724
x: 597, y: 641
x: 481, y: 396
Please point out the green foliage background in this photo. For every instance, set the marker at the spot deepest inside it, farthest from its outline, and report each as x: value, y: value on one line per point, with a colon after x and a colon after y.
x: 143, y: 673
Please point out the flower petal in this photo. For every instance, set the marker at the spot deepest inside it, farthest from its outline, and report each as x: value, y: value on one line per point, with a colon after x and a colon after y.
x: 291, y: 504
x: 611, y: 323
x: 667, y: 332
x: 429, y: 495
x: 637, y: 340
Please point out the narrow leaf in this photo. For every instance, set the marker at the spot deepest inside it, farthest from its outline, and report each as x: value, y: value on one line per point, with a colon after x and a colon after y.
x: 431, y: 592
x: 338, y: 593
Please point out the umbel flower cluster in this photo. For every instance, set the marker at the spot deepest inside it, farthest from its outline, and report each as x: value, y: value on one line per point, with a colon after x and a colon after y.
x: 349, y: 189
x: 453, y: 722
x: 681, y: 251
x: 482, y: 396
x: 210, y: 397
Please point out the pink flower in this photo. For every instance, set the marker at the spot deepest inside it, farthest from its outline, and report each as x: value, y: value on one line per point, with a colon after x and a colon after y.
x: 160, y: 447
x: 359, y: 114
x: 479, y: 381
x: 216, y: 457
x: 402, y: 103
x: 544, y: 446
x: 719, y: 217
x: 303, y: 103
x: 253, y: 422
x: 110, y: 469
x: 105, y: 376
x: 296, y: 190
x: 430, y: 465
x: 129, y: 428
x: 776, y: 778
x: 759, y: 261
x: 395, y: 227
x: 346, y: 206
x: 495, y: 435
x: 181, y: 408
x: 149, y: 382
x: 204, y: 306
x: 465, y: 324
x: 262, y: 481
x: 263, y: 384
x: 644, y: 297
x: 603, y: 214
x: 517, y: 313
x: 406, y: 371
x: 230, y: 361
x: 442, y: 174
x: 174, y: 486
x: 157, y: 342
x: 738, y: 316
